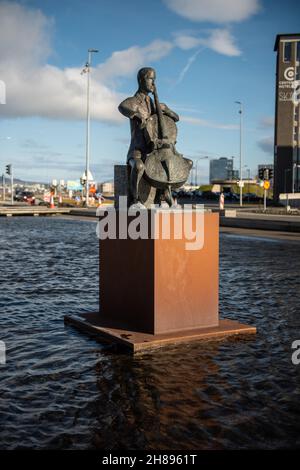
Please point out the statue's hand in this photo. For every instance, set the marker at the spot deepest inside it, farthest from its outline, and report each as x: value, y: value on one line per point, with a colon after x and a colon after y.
x: 166, y: 110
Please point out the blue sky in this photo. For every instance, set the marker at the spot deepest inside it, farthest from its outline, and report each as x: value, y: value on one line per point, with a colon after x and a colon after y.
x: 207, y: 54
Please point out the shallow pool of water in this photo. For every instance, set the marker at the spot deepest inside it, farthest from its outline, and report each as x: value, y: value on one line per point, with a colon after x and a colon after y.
x: 60, y: 389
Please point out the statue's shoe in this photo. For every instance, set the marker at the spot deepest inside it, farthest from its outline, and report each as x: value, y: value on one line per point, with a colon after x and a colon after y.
x: 164, y: 205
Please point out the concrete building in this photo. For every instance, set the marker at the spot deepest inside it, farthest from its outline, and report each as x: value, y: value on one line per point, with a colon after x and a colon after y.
x: 107, y: 187
x: 287, y: 136
x: 221, y: 169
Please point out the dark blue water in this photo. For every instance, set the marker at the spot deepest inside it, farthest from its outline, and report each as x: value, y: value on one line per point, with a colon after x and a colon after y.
x: 63, y: 390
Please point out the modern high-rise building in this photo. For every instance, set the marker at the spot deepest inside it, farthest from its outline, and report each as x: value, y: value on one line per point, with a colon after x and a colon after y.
x: 287, y: 118
x: 221, y: 169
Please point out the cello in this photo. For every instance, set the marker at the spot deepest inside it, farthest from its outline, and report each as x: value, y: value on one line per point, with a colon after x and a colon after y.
x: 165, y: 168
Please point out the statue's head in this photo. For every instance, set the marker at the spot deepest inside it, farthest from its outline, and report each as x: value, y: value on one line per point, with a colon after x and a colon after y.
x: 146, y: 78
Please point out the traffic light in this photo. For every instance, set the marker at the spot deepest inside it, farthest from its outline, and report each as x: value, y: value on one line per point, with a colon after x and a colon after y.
x: 261, y: 173
x: 8, y: 169
x: 82, y: 181
x: 265, y: 173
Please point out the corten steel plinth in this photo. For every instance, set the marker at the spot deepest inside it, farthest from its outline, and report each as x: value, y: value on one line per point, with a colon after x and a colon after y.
x: 155, y: 292
x: 158, y: 286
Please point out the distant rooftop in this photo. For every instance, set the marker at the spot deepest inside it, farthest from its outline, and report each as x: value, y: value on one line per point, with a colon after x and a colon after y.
x: 286, y: 36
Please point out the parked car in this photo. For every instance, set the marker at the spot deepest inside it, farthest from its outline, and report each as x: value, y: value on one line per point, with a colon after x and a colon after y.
x: 24, y: 196
x: 181, y: 193
x: 197, y: 193
x: 251, y: 197
x: 210, y: 195
x: 231, y: 197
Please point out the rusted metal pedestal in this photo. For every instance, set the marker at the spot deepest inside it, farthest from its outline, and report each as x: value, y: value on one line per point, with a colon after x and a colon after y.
x: 158, y: 291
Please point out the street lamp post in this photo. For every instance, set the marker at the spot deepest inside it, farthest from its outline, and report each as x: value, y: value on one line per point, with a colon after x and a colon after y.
x: 87, y: 69
x: 206, y: 157
x: 241, y: 125
x: 194, y: 170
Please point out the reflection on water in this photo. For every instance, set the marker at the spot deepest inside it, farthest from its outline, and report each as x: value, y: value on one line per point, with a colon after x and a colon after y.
x: 61, y: 389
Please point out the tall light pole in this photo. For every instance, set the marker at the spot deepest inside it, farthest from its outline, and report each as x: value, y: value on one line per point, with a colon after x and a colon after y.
x: 241, y: 167
x: 87, y: 70
x: 205, y: 157
x: 195, y: 168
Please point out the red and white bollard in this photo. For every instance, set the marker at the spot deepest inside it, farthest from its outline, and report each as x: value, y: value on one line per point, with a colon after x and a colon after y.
x: 221, y: 202
x: 52, y: 206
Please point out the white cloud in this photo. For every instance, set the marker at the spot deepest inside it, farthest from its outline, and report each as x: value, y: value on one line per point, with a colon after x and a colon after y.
x: 124, y: 63
x: 206, y: 123
x: 222, y: 41
x: 215, y: 11
x: 36, y: 88
x: 50, y: 92
x: 185, y: 41
x: 219, y: 40
x: 267, y: 144
x: 25, y: 35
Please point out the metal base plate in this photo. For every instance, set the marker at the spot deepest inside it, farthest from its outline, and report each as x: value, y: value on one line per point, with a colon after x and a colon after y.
x: 135, y: 342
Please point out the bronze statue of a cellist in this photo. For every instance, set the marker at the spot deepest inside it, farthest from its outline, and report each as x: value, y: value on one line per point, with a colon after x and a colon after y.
x: 156, y: 166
